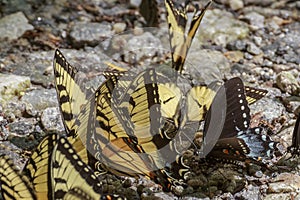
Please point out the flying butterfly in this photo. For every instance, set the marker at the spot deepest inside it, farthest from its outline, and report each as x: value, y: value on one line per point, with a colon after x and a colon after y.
x: 294, y: 149
x: 233, y: 139
x: 14, y: 184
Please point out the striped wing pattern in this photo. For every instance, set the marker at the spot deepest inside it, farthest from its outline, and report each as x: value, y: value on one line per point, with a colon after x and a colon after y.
x: 14, y: 185
x: 38, y: 167
x: 70, y: 92
x: 254, y: 94
x: 179, y: 41
x: 68, y: 171
x: 56, y: 171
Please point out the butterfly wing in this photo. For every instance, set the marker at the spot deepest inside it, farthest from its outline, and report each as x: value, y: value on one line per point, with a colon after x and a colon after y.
x: 14, y: 185
x: 295, y: 147
x: 180, y: 43
x: 199, y: 100
x: 68, y: 171
x: 37, y: 167
x: 231, y: 112
x: 254, y: 94
x: 250, y: 144
x: 149, y: 10
x: 237, y: 117
x: 70, y: 91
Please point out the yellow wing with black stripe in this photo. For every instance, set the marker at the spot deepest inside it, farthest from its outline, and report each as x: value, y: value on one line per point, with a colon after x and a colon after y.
x: 14, y: 185
x: 68, y: 171
x: 180, y: 41
x: 149, y: 107
x: 70, y: 91
x: 38, y: 166
x: 56, y: 170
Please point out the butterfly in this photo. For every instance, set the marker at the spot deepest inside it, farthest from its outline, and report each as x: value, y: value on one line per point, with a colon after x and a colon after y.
x: 71, y: 92
x: 14, y: 185
x: 56, y: 170
x: 199, y: 99
x: 294, y: 148
x: 83, y: 122
x: 232, y: 139
x: 180, y: 42
x: 75, y: 103
x: 135, y: 149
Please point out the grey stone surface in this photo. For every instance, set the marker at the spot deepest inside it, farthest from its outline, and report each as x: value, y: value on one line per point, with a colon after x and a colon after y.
x: 13, y: 26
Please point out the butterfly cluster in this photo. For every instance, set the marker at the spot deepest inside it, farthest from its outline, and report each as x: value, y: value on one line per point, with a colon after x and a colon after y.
x: 140, y: 124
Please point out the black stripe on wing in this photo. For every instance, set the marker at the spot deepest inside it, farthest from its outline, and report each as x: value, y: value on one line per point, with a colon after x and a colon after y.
x: 38, y: 167
x: 294, y: 149
x: 180, y: 41
x: 14, y: 184
x: 68, y: 171
x: 70, y: 91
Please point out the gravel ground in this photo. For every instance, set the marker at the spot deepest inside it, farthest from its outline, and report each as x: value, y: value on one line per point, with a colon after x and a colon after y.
x: 258, y: 41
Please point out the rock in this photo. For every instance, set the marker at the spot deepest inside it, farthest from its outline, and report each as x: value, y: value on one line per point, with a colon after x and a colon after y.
x: 135, y: 3
x: 256, y: 20
x: 13, y: 109
x: 89, y: 33
x: 206, y: 65
x: 51, y: 120
x: 162, y: 196
x: 250, y: 192
x: 257, y: 40
x: 12, y: 85
x: 22, y: 127
x: 142, y: 47
x: 119, y: 27
x: 234, y: 56
x: 236, y: 4
x: 285, y: 182
x: 274, y: 109
x: 253, y: 49
x: 287, y: 82
x: 259, y: 2
x: 13, y: 6
x: 282, y: 196
x: 237, y: 45
x: 221, y: 27
x: 13, y: 26
x: 41, y: 99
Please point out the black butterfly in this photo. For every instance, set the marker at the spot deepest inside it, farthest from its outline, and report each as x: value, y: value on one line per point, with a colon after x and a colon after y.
x: 231, y: 139
x: 294, y: 149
